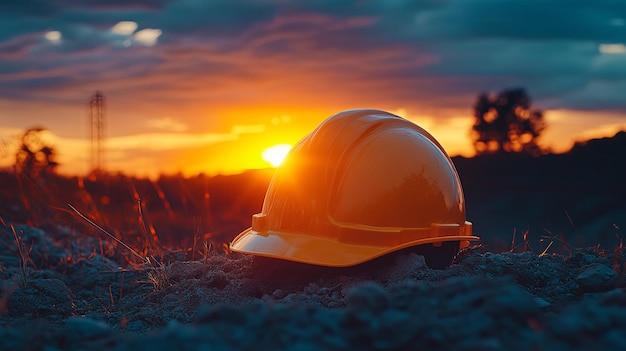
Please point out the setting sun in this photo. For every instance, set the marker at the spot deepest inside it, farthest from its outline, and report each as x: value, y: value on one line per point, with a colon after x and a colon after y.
x: 275, y: 155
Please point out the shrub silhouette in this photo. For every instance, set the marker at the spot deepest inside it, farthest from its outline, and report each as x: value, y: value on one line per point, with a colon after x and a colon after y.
x: 506, y: 123
x: 35, y: 156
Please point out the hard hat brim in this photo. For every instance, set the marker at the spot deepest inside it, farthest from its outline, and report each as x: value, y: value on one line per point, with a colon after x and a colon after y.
x: 319, y: 250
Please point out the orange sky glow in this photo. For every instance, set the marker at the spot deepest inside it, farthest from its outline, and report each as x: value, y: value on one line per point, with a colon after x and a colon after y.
x: 167, y: 145
x: 184, y: 94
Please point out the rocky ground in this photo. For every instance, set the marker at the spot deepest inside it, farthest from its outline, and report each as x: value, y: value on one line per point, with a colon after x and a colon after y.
x: 66, y: 295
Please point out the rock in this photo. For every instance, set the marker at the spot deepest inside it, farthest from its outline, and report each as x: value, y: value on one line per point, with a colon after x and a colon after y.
x: 596, y: 277
x: 312, y: 289
x: 404, y: 266
x: 542, y: 303
x: 42, y: 297
x: 78, y: 328
x: 220, y: 314
x: 216, y: 280
x: 367, y: 297
x: 179, y: 271
x: 616, y: 297
x: 12, y: 339
x: 278, y: 294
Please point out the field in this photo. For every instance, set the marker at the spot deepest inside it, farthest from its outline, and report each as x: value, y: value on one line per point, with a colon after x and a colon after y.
x: 548, y: 273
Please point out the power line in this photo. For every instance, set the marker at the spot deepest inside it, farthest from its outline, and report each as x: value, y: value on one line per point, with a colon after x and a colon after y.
x: 96, y: 131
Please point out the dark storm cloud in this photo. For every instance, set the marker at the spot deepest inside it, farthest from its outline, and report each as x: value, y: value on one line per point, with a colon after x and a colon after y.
x: 72, y: 18
x: 51, y: 8
x: 445, y: 48
x: 550, y: 47
x: 426, y: 19
x: 526, y: 19
x: 39, y: 83
x: 188, y: 17
x: 547, y: 68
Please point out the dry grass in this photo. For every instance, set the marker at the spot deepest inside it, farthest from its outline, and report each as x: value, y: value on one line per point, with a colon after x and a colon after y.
x: 619, y: 261
x: 159, y: 276
x: 145, y: 259
x: 114, y: 202
x: 525, y: 245
x: 153, y: 217
x: 24, y: 256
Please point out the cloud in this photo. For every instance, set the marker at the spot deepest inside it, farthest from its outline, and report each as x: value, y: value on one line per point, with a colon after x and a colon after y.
x: 531, y: 20
x: 147, y: 37
x: 167, y: 123
x: 612, y: 48
x: 600, y: 95
x: 125, y: 33
x: 172, y: 141
x: 446, y: 132
x: 54, y: 36
x: 124, y: 28
x: 212, y: 18
x: 427, y: 53
x: 166, y: 141
x: 245, y: 63
x: 73, y: 153
x: 53, y: 8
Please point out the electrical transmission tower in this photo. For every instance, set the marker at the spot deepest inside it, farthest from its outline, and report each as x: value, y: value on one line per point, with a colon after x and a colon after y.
x: 96, y: 131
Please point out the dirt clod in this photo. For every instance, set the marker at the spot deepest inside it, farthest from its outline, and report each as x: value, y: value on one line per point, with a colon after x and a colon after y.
x: 483, y: 301
x: 596, y: 277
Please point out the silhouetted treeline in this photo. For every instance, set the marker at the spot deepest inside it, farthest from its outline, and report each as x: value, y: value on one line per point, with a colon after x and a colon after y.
x: 180, y: 210
x: 577, y: 197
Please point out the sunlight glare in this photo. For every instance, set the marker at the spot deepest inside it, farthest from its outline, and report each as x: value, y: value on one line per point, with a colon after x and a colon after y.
x: 275, y: 155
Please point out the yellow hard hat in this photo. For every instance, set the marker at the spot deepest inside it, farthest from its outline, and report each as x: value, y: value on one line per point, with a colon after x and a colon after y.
x: 363, y: 184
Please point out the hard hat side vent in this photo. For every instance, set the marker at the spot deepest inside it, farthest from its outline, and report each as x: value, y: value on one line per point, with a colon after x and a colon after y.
x: 259, y: 223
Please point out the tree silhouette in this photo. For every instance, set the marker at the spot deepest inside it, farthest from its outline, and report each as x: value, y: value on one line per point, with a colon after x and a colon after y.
x: 34, y: 156
x: 506, y: 123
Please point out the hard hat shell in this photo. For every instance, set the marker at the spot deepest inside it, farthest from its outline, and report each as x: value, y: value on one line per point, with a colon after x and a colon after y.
x: 363, y: 184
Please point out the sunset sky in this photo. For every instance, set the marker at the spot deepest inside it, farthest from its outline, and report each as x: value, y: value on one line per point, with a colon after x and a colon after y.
x: 205, y: 86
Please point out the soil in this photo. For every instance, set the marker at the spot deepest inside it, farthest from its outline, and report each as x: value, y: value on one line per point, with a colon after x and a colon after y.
x: 66, y: 286
x: 70, y: 293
